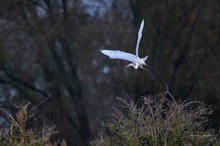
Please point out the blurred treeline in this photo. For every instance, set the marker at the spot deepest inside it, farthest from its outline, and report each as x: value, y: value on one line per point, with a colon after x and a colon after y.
x: 50, y: 49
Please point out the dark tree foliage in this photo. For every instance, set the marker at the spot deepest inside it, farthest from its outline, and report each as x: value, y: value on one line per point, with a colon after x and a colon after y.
x: 183, y: 41
x: 50, y: 49
x: 40, y: 52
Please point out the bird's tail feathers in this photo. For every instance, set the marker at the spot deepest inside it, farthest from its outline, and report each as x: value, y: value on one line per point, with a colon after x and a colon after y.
x: 145, y: 58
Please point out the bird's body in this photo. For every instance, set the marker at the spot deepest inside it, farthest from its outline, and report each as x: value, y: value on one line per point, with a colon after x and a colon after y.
x: 138, y: 62
x: 135, y: 60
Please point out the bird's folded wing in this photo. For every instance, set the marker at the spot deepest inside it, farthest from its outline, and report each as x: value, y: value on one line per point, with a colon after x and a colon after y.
x: 116, y: 54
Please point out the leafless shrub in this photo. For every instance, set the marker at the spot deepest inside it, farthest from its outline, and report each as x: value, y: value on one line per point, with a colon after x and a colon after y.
x: 159, y: 121
x: 18, y: 133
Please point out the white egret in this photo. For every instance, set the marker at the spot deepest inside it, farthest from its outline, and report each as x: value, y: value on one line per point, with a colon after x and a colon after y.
x: 135, y: 60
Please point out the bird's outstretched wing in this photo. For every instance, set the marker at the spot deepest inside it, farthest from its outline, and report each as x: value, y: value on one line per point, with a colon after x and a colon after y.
x: 116, y: 54
x: 139, y: 36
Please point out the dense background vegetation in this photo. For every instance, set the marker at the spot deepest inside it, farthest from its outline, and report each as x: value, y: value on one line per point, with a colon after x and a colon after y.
x: 50, y: 49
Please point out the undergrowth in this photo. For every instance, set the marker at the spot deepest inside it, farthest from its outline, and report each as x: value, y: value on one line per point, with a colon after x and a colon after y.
x: 19, y: 134
x: 158, y: 121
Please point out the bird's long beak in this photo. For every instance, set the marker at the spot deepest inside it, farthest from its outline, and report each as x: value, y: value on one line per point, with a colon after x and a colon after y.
x: 130, y: 64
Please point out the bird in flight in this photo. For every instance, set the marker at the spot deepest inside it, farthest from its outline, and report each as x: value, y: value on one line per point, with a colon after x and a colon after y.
x: 135, y: 60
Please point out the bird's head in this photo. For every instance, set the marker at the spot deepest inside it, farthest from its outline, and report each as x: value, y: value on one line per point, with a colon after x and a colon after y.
x: 131, y: 64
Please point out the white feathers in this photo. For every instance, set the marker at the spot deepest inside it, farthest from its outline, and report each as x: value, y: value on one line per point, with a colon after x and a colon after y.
x: 139, y: 36
x: 136, y: 62
x: 115, y: 54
